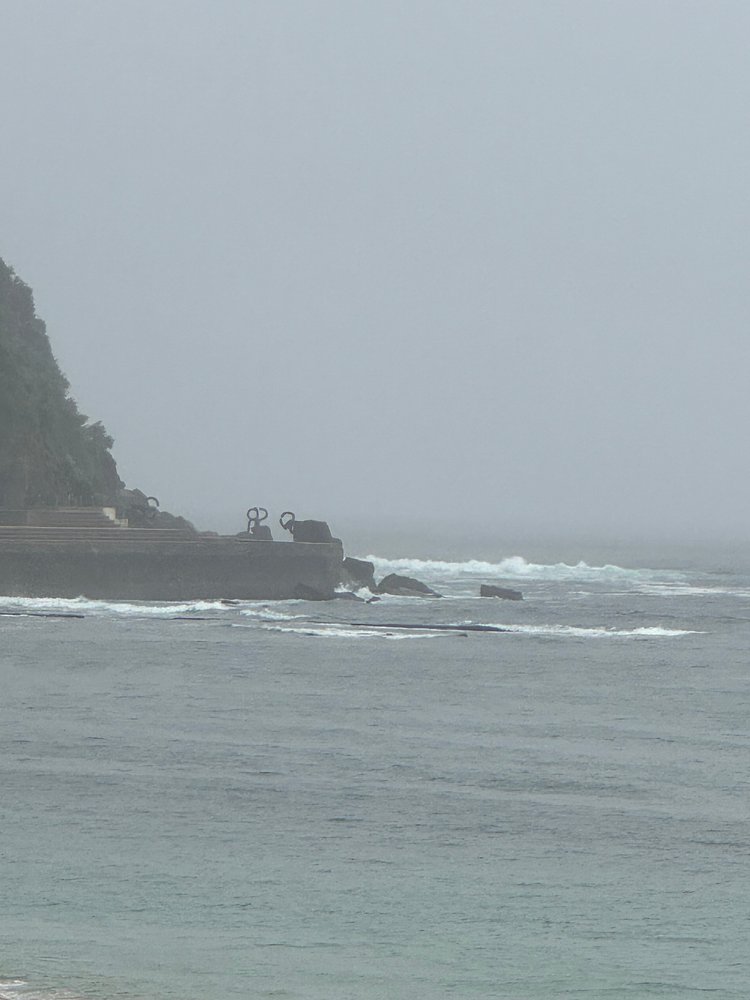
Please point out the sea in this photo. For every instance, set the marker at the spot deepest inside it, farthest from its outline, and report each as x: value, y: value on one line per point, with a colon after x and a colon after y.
x: 339, y: 801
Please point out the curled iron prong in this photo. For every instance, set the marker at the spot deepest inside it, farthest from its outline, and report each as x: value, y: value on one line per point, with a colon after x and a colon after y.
x: 288, y: 524
x: 152, y: 507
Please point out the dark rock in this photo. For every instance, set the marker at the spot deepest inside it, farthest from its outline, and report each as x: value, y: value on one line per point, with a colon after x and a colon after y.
x: 405, y: 586
x: 347, y: 595
x: 134, y: 505
x: 304, y: 593
x: 487, y: 590
x: 358, y: 573
x: 164, y: 519
x: 311, y: 531
x: 305, y: 531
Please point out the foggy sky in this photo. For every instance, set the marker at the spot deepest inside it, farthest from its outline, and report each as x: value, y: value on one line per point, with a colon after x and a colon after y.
x: 482, y: 260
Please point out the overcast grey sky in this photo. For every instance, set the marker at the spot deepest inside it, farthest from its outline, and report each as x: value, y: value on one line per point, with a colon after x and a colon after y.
x: 371, y: 258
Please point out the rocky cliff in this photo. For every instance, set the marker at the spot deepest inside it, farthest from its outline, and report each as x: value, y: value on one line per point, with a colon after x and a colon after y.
x: 50, y: 453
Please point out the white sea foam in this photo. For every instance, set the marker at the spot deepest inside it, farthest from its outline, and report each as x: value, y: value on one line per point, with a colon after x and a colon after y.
x: 601, y: 632
x: 693, y: 590
x: 269, y: 614
x: 512, y: 567
x: 129, y: 609
x: 344, y: 632
x: 84, y: 606
x: 19, y: 989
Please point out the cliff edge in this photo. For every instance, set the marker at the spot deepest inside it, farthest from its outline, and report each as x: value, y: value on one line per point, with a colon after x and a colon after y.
x: 50, y: 453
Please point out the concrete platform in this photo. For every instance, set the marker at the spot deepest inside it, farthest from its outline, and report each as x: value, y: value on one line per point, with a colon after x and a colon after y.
x: 159, y: 564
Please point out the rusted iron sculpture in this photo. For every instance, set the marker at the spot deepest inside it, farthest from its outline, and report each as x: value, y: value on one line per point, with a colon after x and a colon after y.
x: 258, y: 531
x: 305, y: 531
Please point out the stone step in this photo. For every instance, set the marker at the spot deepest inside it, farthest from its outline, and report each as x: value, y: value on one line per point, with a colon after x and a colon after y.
x: 24, y: 533
x: 82, y: 522
x: 63, y: 517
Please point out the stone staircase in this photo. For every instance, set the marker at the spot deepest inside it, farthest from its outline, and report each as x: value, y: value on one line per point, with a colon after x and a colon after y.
x: 22, y: 533
x: 74, y: 517
x: 62, y: 517
x: 79, y: 524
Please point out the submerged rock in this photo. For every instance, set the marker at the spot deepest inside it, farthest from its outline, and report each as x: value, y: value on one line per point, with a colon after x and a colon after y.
x: 305, y: 593
x: 405, y: 586
x: 488, y: 590
x: 348, y: 595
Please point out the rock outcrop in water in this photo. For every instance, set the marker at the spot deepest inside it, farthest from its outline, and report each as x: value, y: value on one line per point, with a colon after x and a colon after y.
x: 51, y: 454
x: 505, y: 593
x: 358, y: 573
x: 405, y: 586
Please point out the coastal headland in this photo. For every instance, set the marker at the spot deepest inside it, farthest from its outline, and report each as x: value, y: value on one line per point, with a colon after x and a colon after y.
x: 70, y: 526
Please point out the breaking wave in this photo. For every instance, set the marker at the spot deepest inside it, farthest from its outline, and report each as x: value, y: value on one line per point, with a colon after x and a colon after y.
x: 694, y: 590
x: 129, y: 609
x: 344, y: 630
x: 577, y: 631
x: 82, y: 605
x: 515, y: 567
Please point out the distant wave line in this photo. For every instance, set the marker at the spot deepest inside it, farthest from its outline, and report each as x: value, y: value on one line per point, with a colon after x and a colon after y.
x: 368, y: 630
x: 513, y: 566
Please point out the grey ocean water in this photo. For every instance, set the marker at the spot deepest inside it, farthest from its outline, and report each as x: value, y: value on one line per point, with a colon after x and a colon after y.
x: 268, y: 801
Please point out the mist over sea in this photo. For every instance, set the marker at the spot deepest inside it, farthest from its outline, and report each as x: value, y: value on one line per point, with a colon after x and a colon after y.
x: 285, y: 800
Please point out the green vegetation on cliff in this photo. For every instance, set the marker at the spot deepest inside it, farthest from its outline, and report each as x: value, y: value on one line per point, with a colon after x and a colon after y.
x: 49, y: 453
